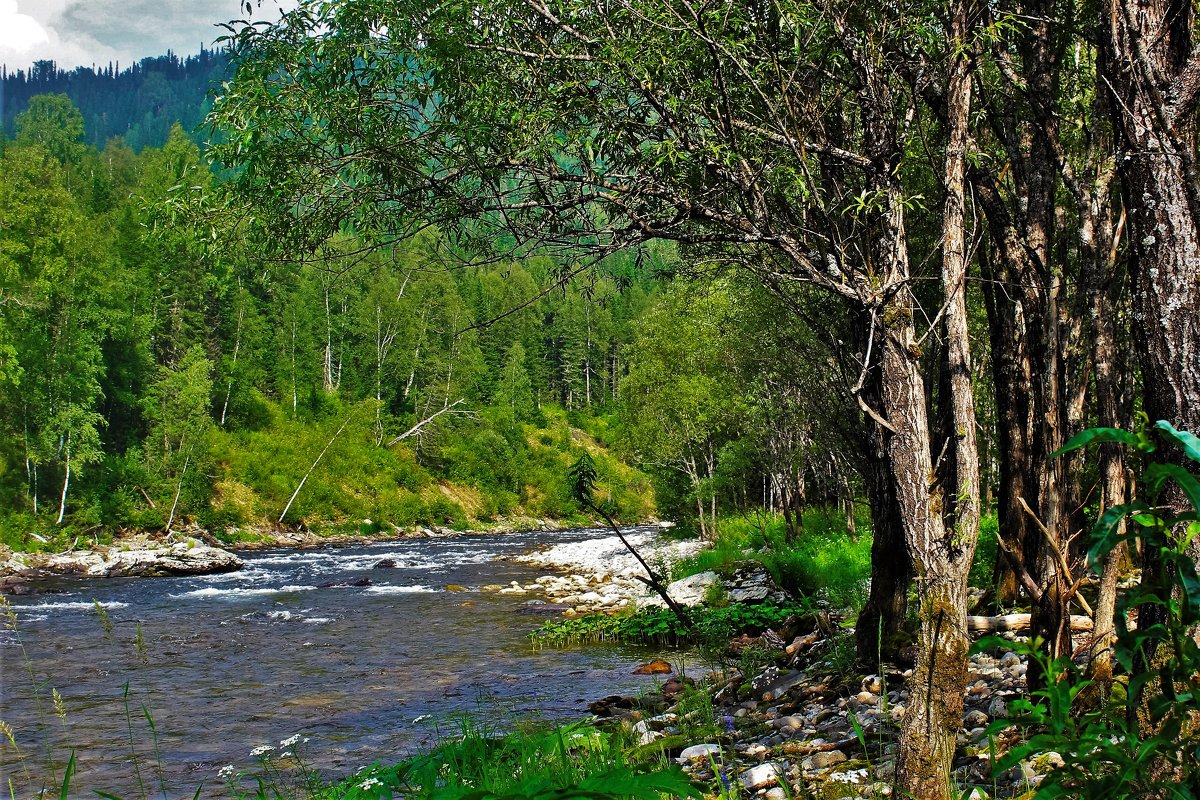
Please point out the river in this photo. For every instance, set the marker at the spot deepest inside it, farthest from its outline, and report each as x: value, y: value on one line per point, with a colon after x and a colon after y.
x: 227, y: 663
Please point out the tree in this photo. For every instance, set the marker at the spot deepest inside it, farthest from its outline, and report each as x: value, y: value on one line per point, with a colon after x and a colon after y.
x: 680, y: 402
x: 53, y: 266
x: 1150, y: 65
x: 53, y: 122
x: 587, y: 126
x: 177, y: 407
x: 514, y: 389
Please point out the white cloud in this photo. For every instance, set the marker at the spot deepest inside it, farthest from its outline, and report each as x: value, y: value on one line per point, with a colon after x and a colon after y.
x: 19, y: 33
x: 85, y: 32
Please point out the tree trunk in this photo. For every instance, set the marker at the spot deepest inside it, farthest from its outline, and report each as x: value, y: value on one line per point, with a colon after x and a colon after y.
x: 237, y: 345
x: 884, y: 614
x: 941, y: 557
x: 62, y: 506
x: 1148, y: 63
x: 941, y: 564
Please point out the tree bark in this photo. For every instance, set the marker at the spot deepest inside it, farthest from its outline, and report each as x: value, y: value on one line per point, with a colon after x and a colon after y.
x: 1149, y: 64
x: 941, y: 556
x: 62, y: 506
x: 884, y: 614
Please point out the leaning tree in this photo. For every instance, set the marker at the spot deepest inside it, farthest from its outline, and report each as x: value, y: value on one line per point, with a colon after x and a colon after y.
x: 777, y: 129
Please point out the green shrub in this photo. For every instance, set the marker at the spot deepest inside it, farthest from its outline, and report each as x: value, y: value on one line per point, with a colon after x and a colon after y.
x: 983, y: 568
x: 1143, y: 740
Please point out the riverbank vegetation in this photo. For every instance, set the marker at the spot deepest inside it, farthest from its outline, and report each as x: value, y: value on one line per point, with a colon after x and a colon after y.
x: 147, y: 386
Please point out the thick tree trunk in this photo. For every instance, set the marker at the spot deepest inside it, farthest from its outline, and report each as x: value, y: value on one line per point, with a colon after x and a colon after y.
x: 1024, y: 311
x: 884, y: 614
x: 1151, y: 66
x: 1148, y: 62
x: 941, y: 557
x: 941, y: 564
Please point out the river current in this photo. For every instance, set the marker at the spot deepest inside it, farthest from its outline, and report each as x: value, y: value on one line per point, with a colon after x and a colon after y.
x: 226, y: 663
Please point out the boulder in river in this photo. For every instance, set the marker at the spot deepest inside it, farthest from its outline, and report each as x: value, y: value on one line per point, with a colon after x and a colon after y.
x: 655, y: 667
x: 386, y: 563
x: 188, y: 557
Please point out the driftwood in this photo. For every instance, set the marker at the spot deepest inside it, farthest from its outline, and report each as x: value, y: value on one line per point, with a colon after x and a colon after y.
x: 1017, y: 622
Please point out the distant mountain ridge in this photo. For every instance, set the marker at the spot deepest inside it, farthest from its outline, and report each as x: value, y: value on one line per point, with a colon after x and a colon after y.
x: 138, y: 103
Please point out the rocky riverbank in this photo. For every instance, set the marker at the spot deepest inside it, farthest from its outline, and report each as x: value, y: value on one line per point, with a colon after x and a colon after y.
x: 131, y: 557
x: 601, y: 574
x: 785, y: 728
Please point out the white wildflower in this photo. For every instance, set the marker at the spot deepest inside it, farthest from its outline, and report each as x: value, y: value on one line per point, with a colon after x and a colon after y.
x: 226, y: 771
x: 261, y: 750
x: 291, y: 740
x: 370, y: 782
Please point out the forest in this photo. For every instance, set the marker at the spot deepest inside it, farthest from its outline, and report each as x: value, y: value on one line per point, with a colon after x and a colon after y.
x: 929, y: 268
x: 138, y: 103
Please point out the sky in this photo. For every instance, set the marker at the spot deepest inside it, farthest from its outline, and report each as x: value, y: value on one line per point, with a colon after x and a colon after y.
x: 76, y: 33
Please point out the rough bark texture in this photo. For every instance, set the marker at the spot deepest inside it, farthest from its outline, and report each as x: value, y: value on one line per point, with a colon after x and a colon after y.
x: 884, y: 613
x: 942, y: 554
x: 939, y: 680
x: 1149, y: 64
x: 1025, y: 316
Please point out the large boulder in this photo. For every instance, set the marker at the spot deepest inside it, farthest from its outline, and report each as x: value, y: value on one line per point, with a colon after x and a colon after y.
x: 749, y: 583
x: 752, y: 583
x: 189, y: 557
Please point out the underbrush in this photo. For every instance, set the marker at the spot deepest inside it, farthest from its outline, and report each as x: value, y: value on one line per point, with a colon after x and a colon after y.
x: 824, y: 560
x: 659, y: 626
x: 326, y: 467
x: 984, y: 565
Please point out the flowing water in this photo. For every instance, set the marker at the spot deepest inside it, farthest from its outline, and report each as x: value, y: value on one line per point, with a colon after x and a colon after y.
x: 225, y: 663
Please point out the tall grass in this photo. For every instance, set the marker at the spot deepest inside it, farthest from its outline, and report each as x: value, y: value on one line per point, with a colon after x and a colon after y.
x: 823, y: 561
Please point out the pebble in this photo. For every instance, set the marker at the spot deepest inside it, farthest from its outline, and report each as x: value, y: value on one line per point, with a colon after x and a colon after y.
x: 823, y: 760
x: 976, y: 718
x: 763, y: 775
x: 697, y: 752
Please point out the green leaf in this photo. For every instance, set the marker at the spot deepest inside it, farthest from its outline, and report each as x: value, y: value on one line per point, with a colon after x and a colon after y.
x: 1099, y: 436
x: 1105, y: 532
x: 1188, y: 441
x: 1156, y: 475
x: 65, y: 792
x: 582, y: 478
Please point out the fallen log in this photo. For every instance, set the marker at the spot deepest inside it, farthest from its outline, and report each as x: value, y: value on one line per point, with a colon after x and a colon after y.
x: 1017, y: 622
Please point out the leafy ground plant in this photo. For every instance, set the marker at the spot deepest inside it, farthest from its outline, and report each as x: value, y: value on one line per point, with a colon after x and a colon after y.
x: 1144, y: 742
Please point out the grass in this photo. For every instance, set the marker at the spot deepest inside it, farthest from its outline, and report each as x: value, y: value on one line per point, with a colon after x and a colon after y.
x: 659, y: 625
x: 534, y: 762
x: 824, y: 561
